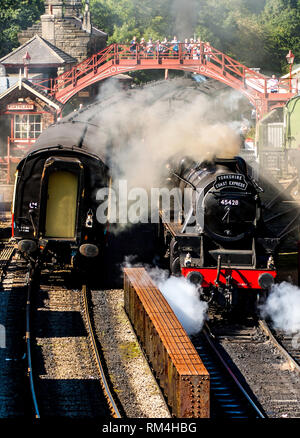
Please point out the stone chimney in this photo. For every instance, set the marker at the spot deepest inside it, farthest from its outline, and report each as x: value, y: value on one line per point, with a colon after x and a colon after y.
x: 72, y: 8
x: 54, y: 7
x: 87, y: 22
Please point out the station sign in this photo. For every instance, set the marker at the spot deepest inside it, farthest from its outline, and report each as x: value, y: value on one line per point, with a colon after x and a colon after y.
x: 19, y: 106
x: 84, y: 94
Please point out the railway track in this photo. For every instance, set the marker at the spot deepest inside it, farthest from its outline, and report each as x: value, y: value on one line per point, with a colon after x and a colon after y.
x: 229, y: 398
x: 13, y: 383
x: 31, y: 288
x: 288, y: 345
x: 7, y: 250
x: 67, y: 378
x: 261, y: 367
x: 104, y: 382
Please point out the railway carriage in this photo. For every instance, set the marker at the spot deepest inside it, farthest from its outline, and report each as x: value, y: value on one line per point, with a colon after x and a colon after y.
x: 54, y: 207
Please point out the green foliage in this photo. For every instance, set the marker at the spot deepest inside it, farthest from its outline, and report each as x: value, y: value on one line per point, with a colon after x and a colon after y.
x: 258, y: 33
x: 16, y: 15
x: 281, y: 21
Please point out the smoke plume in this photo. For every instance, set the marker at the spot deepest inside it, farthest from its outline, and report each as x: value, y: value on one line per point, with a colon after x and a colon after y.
x: 146, y: 127
x: 184, y: 300
x: 183, y: 297
x: 283, y: 307
x: 185, y: 15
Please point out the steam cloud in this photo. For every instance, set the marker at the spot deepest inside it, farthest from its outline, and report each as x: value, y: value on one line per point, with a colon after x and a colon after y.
x: 283, y: 307
x: 183, y: 298
x: 146, y: 127
x: 185, y: 15
x: 181, y: 294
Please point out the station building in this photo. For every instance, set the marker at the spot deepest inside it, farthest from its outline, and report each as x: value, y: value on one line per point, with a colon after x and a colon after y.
x: 61, y: 39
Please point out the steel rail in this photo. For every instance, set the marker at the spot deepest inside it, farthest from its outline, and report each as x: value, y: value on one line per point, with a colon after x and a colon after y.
x: 6, y: 255
x: 207, y: 334
x: 28, y: 344
x: 292, y: 362
x: 104, y: 382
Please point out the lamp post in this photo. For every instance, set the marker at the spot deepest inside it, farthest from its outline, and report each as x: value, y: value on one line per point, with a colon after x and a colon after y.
x: 290, y: 60
x: 26, y: 62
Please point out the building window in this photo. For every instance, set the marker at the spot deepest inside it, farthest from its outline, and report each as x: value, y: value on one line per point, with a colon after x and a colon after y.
x: 28, y: 125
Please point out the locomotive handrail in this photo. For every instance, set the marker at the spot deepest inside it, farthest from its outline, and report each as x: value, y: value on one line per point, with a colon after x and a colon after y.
x: 184, y: 180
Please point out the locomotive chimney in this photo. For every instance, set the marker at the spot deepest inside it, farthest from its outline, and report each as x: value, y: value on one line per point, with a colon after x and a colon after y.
x: 87, y: 23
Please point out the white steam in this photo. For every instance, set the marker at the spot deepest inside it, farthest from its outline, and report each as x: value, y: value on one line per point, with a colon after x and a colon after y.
x: 181, y: 294
x: 183, y: 297
x: 283, y: 307
x: 145, y: 127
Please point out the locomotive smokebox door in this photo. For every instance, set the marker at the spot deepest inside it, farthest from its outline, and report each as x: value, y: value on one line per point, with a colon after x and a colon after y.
x: 60, y: 198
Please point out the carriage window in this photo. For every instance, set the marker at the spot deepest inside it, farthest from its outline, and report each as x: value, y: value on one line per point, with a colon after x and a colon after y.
x: 28, y: 125
x: 61, y: 205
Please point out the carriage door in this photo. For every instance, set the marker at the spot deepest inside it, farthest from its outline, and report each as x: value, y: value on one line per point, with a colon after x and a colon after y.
x: 62, y: 201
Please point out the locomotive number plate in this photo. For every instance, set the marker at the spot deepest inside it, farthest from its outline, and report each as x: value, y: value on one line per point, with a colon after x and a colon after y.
x: 231, y: 202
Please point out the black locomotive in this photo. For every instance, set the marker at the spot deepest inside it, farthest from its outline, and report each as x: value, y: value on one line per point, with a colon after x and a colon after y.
x: 54, y: 207
x: 220, y: 243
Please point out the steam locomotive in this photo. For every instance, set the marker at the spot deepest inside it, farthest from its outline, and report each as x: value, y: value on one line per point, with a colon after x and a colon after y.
x: 220, y: 242
x: 54, y: 206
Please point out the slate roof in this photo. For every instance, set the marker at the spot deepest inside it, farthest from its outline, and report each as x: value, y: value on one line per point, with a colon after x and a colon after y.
x: 7, y: 82
x: 37, y: 91
x: 40, y: 51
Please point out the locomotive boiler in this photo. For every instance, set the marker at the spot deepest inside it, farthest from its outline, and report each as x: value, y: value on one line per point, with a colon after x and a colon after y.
x: 220, y: 243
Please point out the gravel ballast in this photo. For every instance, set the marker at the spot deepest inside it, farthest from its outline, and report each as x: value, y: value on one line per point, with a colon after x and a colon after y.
x: 129, y: 371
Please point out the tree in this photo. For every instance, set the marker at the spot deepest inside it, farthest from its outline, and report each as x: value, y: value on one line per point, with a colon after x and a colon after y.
x: 16, y: 15
x: 281, y: 22
x: 258, y: 33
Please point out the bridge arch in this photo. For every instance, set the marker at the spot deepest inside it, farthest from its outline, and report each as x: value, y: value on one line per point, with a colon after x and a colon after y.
x: 206, y: 60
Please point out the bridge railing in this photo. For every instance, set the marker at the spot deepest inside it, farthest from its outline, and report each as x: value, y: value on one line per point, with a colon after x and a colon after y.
x: 288, y: 85
x: 195, y: 54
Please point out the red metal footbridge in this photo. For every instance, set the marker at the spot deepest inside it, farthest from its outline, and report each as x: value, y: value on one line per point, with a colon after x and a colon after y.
x: 202, y: 59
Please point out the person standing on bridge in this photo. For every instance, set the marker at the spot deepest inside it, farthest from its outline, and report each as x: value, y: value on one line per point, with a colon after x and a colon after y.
x: 142, y: 46
x: 187, y: 49
x: 175, y: 47
x: 150, y: 48
x: 191, y: 46
x: 165, y: 48
x: 159, y: 48
x: 207, y: 51
x: 273, y: 84
x: 133, y: 45
x: 195, y: 51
